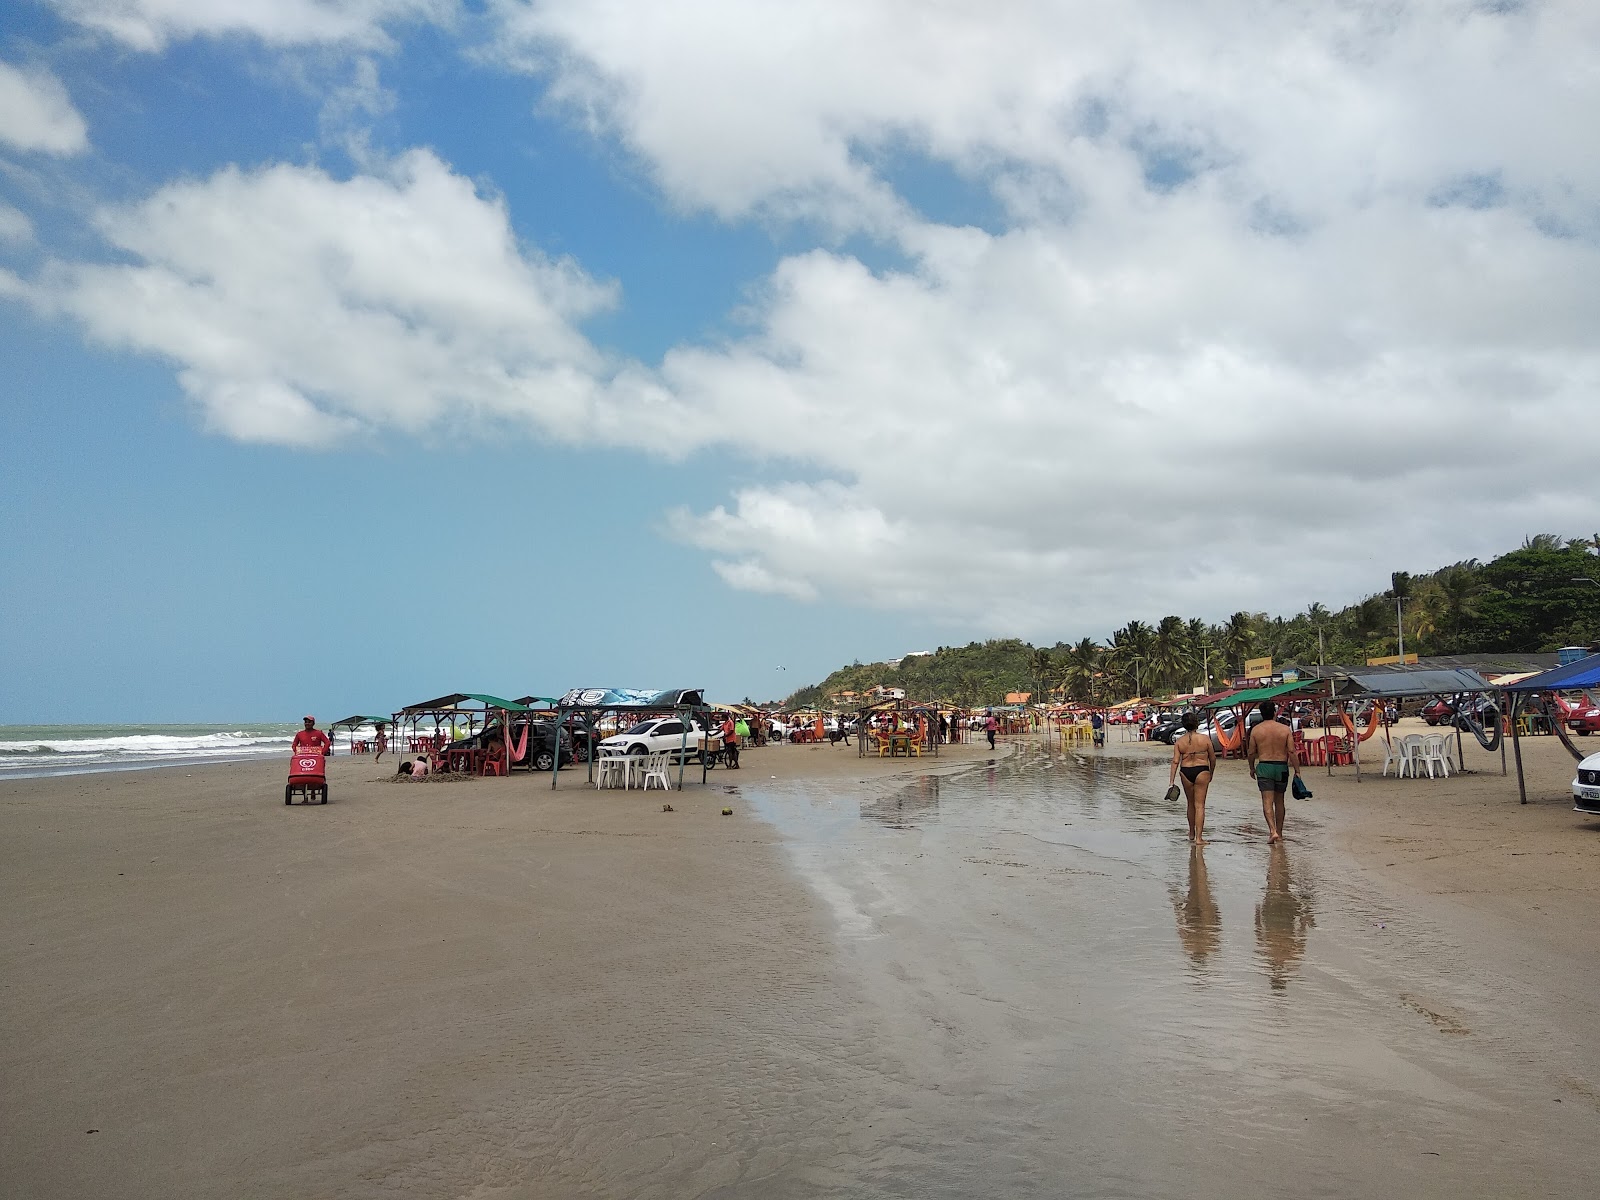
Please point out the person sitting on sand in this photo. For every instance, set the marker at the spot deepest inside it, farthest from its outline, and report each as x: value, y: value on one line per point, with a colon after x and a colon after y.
x: 419, y: 767
x: 1196, y: 758
x: 1272, y: 760
x: 311, y: 740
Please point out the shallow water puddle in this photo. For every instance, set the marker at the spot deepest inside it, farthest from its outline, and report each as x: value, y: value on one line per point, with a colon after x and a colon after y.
x: 1075, y: 1001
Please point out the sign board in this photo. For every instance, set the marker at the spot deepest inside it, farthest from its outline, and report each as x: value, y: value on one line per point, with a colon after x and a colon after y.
x: 1391, y: 660
x: 1258, y: 668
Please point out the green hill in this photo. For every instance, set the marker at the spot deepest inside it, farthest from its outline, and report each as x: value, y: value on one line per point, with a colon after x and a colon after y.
x: 1539, y: 597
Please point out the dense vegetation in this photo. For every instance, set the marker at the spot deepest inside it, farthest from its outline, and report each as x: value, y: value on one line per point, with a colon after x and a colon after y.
x: 1542, y: 596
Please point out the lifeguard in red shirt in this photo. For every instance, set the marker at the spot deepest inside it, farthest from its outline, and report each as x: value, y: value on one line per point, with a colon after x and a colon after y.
x: 312, y: 740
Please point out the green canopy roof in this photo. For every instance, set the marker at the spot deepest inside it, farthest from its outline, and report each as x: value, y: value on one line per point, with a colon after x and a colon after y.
x: 357, y: 721
x: 1257, y: 695
x: 453, y: 701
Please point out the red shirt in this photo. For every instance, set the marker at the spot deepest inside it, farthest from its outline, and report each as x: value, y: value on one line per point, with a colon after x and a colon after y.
x: 311, y: 739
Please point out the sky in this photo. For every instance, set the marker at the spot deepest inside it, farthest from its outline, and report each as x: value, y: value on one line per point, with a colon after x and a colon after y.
x: 354, y: 352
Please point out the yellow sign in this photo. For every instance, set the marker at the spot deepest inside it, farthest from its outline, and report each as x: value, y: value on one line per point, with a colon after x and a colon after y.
x: 1391, y: 660
x: 1258, y: 668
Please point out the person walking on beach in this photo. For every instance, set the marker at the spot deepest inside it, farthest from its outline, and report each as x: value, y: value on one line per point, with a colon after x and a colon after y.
x: 311, y: 740
x: 1272, y: 761
x: 1098, y: 724
x: 1195, y: 757
x: 381, y: 741
x: 991, y: 726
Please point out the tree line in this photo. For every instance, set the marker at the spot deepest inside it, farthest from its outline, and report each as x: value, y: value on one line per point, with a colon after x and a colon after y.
x: 1536, y: 598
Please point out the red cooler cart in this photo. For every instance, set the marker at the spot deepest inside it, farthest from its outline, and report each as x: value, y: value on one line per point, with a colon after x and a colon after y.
x: 308, y: 775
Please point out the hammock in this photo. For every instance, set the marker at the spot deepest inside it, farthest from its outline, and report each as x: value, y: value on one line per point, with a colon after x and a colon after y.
x: 1373, y: 722
x: 1557, y: 724
x: 1229, y: 742
x: 522, y: 744
x: 1489, y: 738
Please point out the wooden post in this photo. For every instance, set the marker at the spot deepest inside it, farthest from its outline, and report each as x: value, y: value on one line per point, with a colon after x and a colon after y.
x: 1355, y: 741
x: 1516, y: 745
x: 1506, y: 702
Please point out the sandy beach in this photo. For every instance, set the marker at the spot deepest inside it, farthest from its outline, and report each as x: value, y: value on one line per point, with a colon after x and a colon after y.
x: 974, y: 975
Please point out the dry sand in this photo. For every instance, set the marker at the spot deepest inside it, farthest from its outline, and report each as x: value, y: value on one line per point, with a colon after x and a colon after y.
x: 429, y: 989
x: 490, y: 988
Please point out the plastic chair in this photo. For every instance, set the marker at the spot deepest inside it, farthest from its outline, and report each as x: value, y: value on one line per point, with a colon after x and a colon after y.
x: 609, y: 768
x: 1433, y: 752
x: 1394, y: 755
x: 655, y: 771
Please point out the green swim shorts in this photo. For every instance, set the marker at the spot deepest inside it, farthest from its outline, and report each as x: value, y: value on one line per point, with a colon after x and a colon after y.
x: 1272, y: 776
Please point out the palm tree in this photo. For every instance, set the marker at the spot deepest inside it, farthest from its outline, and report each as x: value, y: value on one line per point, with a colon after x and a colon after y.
x: 1083, y: 666
x: 1238, y: 638
x: 1317, y: 614
x: 1169, y: 651
x: 1040, y: 663
x: 1460, y: 588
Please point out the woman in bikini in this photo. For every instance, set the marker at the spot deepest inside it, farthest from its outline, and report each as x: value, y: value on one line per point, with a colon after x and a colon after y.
x: 1195, y: 757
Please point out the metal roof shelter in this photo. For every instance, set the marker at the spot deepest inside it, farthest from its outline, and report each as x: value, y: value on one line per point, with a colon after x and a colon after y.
x: 1392, y: 685
x: 592, y: 701
x: 473, y: 706
x: 1575, y: 676
x: 353, y: 723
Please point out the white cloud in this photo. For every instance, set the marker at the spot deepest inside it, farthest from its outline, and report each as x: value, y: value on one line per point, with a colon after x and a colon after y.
x: 14, y: 225
x: 738, y: 105
x: 36, y: 114
x: 1277, y: 298
x: 151, y: 24
x: 1335, y: 263
x: 299, y: 307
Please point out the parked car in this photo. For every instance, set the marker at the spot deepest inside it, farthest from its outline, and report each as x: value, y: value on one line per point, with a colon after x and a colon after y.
x: 658, y: 735
x: 538, y: 754
x: 1583, y: 718
x: 1586, y: 785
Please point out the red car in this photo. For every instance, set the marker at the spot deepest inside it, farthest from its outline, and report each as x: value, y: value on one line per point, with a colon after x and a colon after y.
x: 1582, y: 717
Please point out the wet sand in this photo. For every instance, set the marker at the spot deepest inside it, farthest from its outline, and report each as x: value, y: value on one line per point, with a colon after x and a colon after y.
x: 968, y: 979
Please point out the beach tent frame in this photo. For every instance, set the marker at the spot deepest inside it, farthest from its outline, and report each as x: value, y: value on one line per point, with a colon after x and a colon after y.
x: 353, y: 723
x: 924, y: 709
x: 1570, y: 677
x: 687, y: 702
x: 456, y: 705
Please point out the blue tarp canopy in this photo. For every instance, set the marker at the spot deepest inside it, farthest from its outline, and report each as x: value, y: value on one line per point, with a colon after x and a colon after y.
x: 1585, y: 673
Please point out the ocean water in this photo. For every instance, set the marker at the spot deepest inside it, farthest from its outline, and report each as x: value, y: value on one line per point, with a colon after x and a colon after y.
x: 29, y: 751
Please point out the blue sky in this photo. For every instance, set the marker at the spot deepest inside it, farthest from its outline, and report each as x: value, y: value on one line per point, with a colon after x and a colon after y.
x: 355, y: 351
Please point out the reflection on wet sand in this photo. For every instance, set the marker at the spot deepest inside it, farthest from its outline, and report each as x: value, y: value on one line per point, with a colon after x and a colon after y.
x: 1283, y: 919
x: 1199, y: 918
x: 906, y: 808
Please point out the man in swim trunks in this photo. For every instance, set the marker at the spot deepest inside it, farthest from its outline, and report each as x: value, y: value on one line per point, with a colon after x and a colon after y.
x: 1194, y: 755
x: 1272, y: 761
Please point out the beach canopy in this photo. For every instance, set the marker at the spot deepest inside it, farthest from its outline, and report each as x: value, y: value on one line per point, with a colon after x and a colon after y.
x: 1585, y: 673
x: 1395, y: 684
x: 630, y: 698
x: 1256, y: 695
x: 456, y: 699
x: 357, y: 721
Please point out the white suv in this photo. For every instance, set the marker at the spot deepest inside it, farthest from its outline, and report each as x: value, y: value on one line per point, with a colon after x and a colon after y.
x: 655, y: 737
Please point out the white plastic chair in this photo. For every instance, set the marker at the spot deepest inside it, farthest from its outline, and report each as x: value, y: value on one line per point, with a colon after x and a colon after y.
x: 655, y: 771
x: 609, y: 769
x: 1394, y: 754
x: 1447, y: 748
x: 1411, y: 755
x: 1433, y: 752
